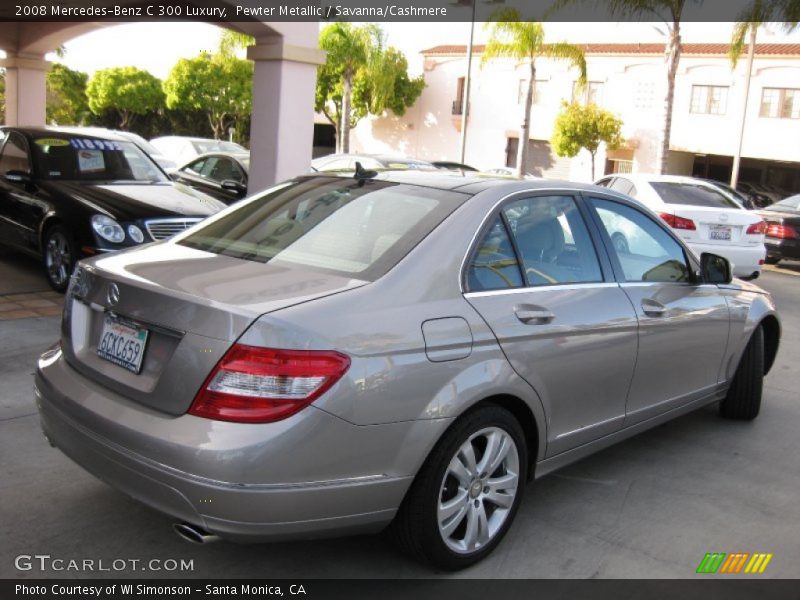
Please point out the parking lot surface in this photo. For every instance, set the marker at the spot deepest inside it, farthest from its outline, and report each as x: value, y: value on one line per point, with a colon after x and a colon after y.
x: 650, y: 507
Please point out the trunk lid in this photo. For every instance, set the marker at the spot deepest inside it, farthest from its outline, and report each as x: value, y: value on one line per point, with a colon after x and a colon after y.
x: 717, y: 226
x: 192, y: 304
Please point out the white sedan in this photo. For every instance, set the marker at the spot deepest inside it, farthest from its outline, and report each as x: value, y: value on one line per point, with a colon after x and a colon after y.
x: 702, y: 214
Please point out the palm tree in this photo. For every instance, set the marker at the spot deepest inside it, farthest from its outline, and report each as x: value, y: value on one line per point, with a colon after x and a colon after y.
x: 753, y: 17
x: 670, y: 12
x: 524, y: 41
x: 348, y: 50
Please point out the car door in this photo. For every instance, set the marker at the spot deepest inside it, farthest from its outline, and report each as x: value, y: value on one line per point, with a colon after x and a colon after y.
x: 565, y: 326
x: 20, y: 210
x: 683, y: 323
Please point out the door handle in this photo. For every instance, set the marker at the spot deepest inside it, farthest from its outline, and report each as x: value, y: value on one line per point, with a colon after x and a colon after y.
x: 652, y: 308
x: 537, y: 316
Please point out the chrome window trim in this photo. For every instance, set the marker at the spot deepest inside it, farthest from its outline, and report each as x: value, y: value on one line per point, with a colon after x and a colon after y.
x: 536, y: 288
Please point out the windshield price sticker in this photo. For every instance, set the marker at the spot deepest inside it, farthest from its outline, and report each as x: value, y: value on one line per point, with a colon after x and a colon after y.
x: 80, y: 144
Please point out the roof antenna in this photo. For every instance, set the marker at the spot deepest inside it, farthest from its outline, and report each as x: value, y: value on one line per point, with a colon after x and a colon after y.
x: 361, y: 173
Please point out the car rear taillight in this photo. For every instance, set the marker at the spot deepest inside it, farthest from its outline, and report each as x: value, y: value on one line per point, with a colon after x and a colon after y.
x: 677, y: 222
x: 776, y: 230
x: 757, y: 228
x: 261, y: 385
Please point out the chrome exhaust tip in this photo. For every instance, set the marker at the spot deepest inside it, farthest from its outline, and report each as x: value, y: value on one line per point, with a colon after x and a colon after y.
x: 195, y: 535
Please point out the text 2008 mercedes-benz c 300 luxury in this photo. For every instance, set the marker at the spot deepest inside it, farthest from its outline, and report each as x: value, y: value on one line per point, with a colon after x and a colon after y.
x: 336, y: 355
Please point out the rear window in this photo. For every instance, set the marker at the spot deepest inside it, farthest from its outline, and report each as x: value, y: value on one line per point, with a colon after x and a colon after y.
x: 692, y: 194
x: 331, y: 224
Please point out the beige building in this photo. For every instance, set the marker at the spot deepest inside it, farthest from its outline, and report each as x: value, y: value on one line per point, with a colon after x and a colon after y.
x: 627, y: 79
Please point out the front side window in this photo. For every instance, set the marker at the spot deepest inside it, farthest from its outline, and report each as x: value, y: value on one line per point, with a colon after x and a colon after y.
x: 780, y: 103
x: 553, y: 241
x: 709, y: 99
x: 15, y: 155
x: 644, y: 250
x: 343, y: 226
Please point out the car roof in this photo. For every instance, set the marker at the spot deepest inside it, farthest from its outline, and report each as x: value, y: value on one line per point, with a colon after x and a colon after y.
x: 468, y: 182
x: 95, y: 132
x: 655, y: 178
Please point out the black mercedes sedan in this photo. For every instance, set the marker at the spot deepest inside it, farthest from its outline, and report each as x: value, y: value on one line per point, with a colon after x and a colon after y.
x: 783, y: 229
x: 66, y: 194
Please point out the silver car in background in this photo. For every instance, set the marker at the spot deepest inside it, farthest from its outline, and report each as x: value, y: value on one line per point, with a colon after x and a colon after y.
x: 339, y: 354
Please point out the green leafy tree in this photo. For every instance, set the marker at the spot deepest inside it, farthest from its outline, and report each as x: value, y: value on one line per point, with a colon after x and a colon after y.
x: 230, y: 41
x: 671, y: 13
x: 126, y: 90
x: 218, y: 84
x: 66, y: 96
x: 348, y: 49
x: 586, y: 126
x: 361, y: 77
x: 510, y: 37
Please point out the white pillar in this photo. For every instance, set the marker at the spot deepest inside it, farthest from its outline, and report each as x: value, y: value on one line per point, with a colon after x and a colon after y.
x: 26, y: 95
x: 282, y: 124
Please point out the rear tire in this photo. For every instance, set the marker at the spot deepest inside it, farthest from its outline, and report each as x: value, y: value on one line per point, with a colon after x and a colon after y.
x: 454, y: 515
x: 743, y: 401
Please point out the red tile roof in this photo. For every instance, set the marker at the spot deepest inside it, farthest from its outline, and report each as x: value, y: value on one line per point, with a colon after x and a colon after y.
x: 638, y: 49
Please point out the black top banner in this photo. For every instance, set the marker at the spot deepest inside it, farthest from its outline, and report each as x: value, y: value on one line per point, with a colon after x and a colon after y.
x: 221, y: 11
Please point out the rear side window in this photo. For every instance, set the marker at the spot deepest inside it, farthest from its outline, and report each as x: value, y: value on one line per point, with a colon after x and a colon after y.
x: 553, y: 241
x: 692, y: 194
x: 494, y: 264
x: 333, y: 224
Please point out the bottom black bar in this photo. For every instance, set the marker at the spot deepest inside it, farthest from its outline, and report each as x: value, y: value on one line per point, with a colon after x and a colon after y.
x: 438, y: 589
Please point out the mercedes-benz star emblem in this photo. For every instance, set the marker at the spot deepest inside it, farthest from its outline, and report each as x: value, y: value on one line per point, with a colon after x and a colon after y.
x: 112, y: 295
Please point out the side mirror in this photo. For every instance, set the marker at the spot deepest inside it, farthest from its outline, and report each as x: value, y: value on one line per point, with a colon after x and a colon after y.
x: 239, y: 189
x: 15, y: 176
x: 714, y: 268
x: 174, y: 175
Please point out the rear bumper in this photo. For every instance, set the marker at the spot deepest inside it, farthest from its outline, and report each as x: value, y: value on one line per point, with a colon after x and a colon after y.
x: 233, y: 509
x: 746, y: 260
x: 780, y: 248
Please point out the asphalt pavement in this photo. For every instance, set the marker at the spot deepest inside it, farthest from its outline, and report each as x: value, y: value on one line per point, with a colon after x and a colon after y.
x: 650, y: 507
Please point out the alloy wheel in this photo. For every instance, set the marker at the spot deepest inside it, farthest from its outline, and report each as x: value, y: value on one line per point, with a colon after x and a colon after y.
x: 478, y: 490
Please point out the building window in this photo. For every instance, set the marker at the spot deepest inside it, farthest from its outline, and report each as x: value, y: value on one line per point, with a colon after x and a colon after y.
x: 591, y: 93
x: 619, y: 166
x: 538, y: 89
x: 458, y: 103
x: 709, y: 100
x: 780, y: 103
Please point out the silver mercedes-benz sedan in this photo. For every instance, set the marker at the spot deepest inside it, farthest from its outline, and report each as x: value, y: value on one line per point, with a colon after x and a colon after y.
x: 338, y: 354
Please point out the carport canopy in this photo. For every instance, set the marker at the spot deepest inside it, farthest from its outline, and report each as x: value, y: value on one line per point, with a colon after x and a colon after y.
x: 285, y: 55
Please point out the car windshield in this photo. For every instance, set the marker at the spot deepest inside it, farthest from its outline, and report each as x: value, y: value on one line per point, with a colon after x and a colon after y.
x: 92, y: 159
x: 204, y: 146
x: 692, y: 194
x: 343, y: 226
x: 790, y: 203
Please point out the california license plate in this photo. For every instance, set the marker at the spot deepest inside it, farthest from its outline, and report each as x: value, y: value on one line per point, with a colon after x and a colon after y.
x: 122, y: 343
x: 719, y: 232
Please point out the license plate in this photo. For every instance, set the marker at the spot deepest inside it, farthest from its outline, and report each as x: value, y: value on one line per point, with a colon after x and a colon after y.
x: 122, y: 343
x: 719, y: 232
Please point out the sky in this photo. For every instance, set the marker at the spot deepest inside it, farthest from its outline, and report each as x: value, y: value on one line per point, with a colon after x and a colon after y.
x: 121, y: 45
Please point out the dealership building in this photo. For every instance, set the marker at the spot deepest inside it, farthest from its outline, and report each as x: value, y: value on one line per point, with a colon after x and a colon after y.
x: 628, y: 79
